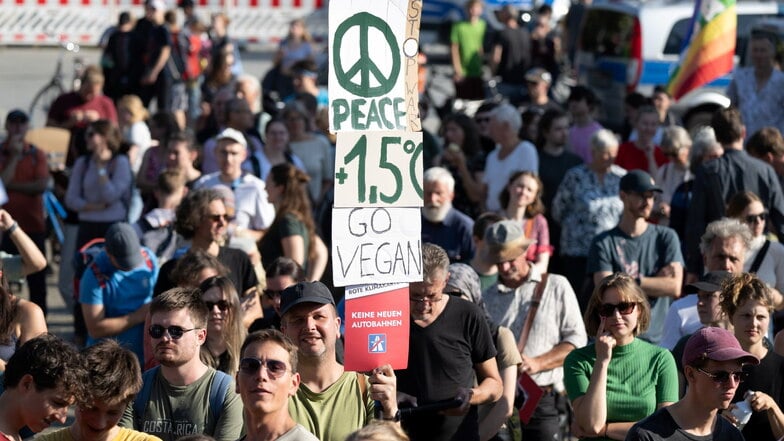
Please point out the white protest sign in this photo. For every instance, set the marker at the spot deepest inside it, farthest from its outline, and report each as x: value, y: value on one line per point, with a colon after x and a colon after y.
x: 378, y: 168
x: 376, y: 245
x: 373, y: 47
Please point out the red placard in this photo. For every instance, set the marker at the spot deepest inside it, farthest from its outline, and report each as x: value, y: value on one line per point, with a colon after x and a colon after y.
x: 377, y: 326
x: 533, y: 393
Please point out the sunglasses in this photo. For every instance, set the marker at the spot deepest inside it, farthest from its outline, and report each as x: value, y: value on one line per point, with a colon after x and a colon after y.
x: 723, y: 377
x: 251, y: 365
x: 608, y: 309
x: 221, y: 304
x: 482, y: 120
x: 272, y: 293
x: 219, y: 217
x: 175, y: 332
x: 752, y: 218
x: 429, y: 300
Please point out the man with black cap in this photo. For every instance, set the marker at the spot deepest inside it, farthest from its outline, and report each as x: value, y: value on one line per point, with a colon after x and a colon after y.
x: 713, y: 365
x: 24, y: 171
x: 650, y: 253
x: 330, y: 403
x: 555, y: 326
x: 709, y: 312
x: 116, y: 289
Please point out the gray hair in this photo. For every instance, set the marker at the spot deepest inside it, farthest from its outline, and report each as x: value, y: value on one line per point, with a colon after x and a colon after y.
x: 507, y: 113
x: 603, y: 140
x: 675, y: 138
x: 723, y: 229
x: 435, y: 262
x: 255, y: 86
x: 440, y: 174
x: 704, y: 139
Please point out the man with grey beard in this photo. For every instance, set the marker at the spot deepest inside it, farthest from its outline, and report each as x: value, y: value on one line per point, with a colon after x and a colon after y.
x: 442, y: 224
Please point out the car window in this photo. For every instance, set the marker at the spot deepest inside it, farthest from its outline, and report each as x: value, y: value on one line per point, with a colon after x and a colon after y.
x: 607, y: 33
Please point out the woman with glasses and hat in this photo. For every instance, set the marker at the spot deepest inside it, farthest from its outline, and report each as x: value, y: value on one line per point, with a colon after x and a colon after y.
x: 746, y: 301
x: 619, y: 379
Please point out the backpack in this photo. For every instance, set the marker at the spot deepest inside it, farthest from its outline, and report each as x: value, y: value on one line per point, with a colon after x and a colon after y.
x: 85, y: 258
x: 218, y: 389
x: 163, y: 241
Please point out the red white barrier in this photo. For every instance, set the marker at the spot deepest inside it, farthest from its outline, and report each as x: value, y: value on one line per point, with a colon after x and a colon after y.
x: 49, y: 22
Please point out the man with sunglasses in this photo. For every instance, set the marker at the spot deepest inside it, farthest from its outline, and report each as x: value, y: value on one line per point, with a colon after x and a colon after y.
x: 183, y: 396
x: 267, y: 378
x: 649, y: 253
x: 331, y: 403
x: 556, y: 328
x: 281, y: 273
x: 713, y: 365
x: 116, y: 289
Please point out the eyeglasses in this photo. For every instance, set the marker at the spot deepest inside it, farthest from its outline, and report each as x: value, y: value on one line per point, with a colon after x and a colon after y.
x: 219, y: 217
x: 608, y: 309
x: 221, y: 304
x: 91, y: 133
x: 175, y: 332
x: 761, y: 217
x: 429, y: 299
x: 272, y: 293
x: 251, y: 365
x: 723, y: 377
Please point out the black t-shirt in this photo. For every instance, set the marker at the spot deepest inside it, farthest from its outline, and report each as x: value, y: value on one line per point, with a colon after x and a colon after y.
x: 767, y: 377
x: 662, y: 427
x: 236, y: 261
x: 552, y: 170
x: 515, y: 54
x: 442, y: 359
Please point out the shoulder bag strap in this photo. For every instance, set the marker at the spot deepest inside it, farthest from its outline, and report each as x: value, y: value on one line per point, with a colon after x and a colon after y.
x: 759, y: 258
x: 529, y: 318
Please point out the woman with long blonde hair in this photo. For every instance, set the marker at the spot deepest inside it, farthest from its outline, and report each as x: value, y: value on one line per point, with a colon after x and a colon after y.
x: 225, y: 332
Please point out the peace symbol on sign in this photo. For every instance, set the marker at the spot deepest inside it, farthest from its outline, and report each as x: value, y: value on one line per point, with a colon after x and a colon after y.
x: 365, y: 66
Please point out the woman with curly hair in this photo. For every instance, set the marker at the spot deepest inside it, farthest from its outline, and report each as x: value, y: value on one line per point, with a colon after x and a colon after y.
x: 293, y: 232
x: 746, y: 301
x: 522, y: 202
x: 100, y: 185
x: 619, y: 379
x: 464, y: 158
x: 225, y: 332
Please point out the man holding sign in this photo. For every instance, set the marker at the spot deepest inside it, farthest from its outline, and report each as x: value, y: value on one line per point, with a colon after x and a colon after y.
x: 449, y: 344
x: 330, y: 402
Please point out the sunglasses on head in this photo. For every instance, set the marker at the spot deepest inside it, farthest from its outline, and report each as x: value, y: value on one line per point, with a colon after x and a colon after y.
x: 608, y: 309
x: 221, y: 304
x: 723, y: 377
x: 251, y: 365
x: 752, y: 218
x: 175, y: 332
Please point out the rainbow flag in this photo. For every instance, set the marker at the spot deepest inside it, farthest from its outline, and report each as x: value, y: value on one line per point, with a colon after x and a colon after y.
x: 708, y: 47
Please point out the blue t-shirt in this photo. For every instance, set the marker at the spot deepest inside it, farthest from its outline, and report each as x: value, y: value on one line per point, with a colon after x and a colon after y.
x: 123, y: 293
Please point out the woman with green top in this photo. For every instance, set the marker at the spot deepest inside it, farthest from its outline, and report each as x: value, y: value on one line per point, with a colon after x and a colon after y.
x: 620, y: 379
x: 293, y: 232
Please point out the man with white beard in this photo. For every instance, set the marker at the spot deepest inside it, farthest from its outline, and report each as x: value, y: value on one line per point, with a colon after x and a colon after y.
x: 442, y: 224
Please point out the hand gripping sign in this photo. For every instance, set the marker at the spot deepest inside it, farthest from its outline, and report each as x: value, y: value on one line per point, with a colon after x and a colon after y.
x: 373, y: 49
x: 377, y: 326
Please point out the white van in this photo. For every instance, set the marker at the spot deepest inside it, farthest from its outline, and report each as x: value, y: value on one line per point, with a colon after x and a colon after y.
x: 630, y: 46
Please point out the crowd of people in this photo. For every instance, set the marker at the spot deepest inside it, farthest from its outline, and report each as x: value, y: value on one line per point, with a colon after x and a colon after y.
x: 633, y: 278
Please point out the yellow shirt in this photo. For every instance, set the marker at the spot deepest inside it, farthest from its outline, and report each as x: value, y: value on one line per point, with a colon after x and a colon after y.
x: 123, y: 435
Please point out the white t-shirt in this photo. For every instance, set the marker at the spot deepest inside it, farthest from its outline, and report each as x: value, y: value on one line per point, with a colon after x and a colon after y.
x: 497, y: 171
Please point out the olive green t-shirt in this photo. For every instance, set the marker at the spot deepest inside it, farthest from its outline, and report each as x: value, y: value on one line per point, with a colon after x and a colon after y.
x: 335, y: 413
x: 175, y: 411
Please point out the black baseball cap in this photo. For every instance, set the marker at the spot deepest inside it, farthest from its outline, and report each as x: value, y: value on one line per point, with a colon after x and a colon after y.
x: 710, y: 282
x: 17, y: 116
x: 305, y: 292
x: 638, y: 181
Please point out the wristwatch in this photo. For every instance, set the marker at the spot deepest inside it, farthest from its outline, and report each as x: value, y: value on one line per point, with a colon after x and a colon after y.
x: 395, y: 418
